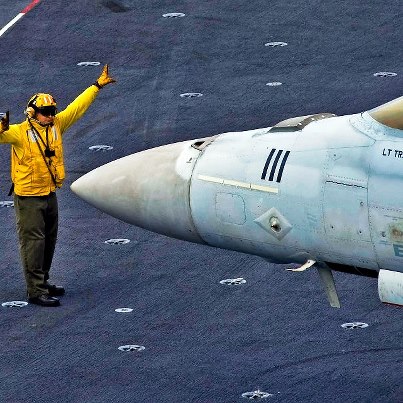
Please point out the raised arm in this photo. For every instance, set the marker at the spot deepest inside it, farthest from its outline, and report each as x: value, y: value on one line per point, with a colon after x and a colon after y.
x: 79, y: 106
x: 5, y: 122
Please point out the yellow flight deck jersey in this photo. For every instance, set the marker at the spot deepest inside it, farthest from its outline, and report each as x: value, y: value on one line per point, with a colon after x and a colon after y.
x: 29, y: 173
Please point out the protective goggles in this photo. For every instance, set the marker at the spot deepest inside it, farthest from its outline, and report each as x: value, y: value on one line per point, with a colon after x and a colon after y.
x: 47, y: 110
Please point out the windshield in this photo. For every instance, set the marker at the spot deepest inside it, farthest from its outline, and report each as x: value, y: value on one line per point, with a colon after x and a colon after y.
x: 390, y: 114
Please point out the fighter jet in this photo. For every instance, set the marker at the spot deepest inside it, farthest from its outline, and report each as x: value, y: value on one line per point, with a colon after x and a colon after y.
x: 320, y: 191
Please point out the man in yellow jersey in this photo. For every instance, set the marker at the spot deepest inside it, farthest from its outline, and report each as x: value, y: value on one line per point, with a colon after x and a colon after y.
x: 37, y: 170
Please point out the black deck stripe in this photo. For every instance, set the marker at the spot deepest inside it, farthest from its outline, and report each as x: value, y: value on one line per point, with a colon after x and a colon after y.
x: 273, y: 168
x: 280, y: 172
x: 266, y: 166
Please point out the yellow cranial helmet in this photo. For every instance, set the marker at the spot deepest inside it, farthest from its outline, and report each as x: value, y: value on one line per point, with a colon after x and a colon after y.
x: 41, y: 100
x: 43, y: 103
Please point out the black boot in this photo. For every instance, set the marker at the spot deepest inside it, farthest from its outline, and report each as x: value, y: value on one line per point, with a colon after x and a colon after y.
x: 44, y: 300
x: 55, y: 290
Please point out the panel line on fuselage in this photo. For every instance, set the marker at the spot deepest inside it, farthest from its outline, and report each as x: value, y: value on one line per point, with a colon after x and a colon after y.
x: 245, y: 185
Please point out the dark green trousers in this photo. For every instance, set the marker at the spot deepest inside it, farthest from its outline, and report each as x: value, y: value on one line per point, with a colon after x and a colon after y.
x: 37, y: 224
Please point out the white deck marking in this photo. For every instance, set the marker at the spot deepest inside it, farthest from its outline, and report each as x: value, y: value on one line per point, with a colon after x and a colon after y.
x: 19, y: 16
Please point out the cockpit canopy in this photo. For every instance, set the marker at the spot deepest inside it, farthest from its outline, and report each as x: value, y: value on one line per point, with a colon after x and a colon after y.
x: 389, y: 114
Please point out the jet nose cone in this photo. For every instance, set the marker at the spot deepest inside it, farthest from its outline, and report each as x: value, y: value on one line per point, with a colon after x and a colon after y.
x: 149, y: 189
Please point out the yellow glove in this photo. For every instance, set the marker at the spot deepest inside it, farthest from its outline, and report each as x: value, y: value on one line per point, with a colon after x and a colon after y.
x: 104, y: 78
x: 5, y: 121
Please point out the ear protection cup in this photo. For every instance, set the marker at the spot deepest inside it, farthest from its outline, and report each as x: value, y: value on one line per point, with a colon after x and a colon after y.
x: 30, y: 109
x: 30, y: 112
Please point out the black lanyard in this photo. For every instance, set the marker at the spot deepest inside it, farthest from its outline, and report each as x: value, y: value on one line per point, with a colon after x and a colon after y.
x: 37, y: 135
x: 44, y: 155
